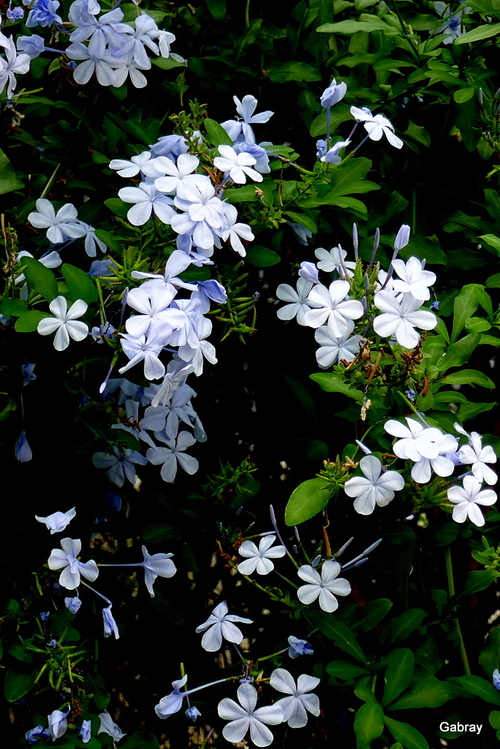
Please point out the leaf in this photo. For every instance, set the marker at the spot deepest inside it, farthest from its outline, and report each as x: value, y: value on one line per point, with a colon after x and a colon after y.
x: 341, y: 635
x: 372, y: 613
x: 216, y: 134
x: 80, y: 285
x: 262, y: 257
x: 13, y: 307
x: 467, y: 377
x: 140, y: 740
x: 367, y: 23
x: 309, y: 498
x: 332, y: 383
x: 345, y: 669
x: 466, y: 302
x: 480, y: 688
x: 398, y: 674
x: 293, y: 71
x: 17, y: 684
x: 402, y: 626
x: 492, y: 240
x: 8, y: 179
x: 429, y: 692
x: 117, y: 206
x: 40, y: 278
x: 407, y: 735
x: 19, y: 652
x: 485, y: 31
x: 368, y: 724
x: 489, y: 657
x: 458, y: 353
x: 462, y: 95
x: 28, y: 321
x: 478, y: 580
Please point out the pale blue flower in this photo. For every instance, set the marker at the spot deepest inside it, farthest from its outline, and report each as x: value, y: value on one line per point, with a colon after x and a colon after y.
x: 65, y: 558
x: 333, y: 94
x: 110, y: 626
x: 219, y: 626
x: 28, y: 373
x: 299, y: 701
x: 73, y: 604
x: 299, y: 647
x: 15, y: 14
x: 302, y: 234
x: 119, y: 464
x: 402, y: 237
x: 22, y: 450
x: 86, y: 731
x: 107, y: 726
x: 156, y: 565
x: 39, y: 732
x: 244, y: 717
x: 58, y: 521
x: 58, y: 723
x: 332, y: 155
x: 43, y: 13
x: 496, y: 679
x: 32, y: 45
x: 193, y: 713
x: 309, y: 272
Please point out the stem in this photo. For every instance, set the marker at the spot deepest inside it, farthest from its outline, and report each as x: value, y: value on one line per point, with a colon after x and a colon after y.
x: 451, y: 592
x: 96, y: 592
x: 247, y: 14
x: 50, y: 181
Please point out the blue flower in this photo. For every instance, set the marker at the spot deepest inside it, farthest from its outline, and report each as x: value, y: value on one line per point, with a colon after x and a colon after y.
x: 43, y: 13
x: 28, y: 373
x: 86, y: 731
x: 299, y: 647
x: 22, y: 450
x: 15, y: 14
x: 73, y: 604
x: 34, y: 734
x: 333, y: 94
x: 496, y: 679
x: 192, y: 713
x: 110, y: 626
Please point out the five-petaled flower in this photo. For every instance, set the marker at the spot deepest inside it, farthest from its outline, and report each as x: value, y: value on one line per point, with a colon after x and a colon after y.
x: 244, y: 717
x: 377, y: 487
x: 156, y: 565
x: 65, y: 323
x: 299, y: 702
x: 466, y: 499
x: 259, y: 559
x: 66, y: 558
x: 219, y: 626
x: 324, y: 586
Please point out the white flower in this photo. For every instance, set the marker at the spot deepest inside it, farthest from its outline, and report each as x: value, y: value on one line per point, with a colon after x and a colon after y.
x: 233, y: 229
x: 299, y: 703
x: 120, y: 465
x: 400, y: 318
x: 179, y: 175
x: 415, y: 441
x: 376, y: 489
x: 218, y: 626
x: 143, y: 349
x: 414, y: 278
x: 376, y: 126
x: 64, y: 323
x: 334, y: 260
x: 331, y: 305
x: 245, y: 717
x: 141, y: 163
x: 325, y: 586
x: 237, y: 165
x: 298, y: 300
x: 259, y: 559
x: 477, y: 456
x: 110, y: 626
x: 58, y: 521
x: 168, y: 457
x: 66, y: 558
x: 147, y: 199
x: 13, y: 63
x: 61, y: 225
x: 333, y: 349
x: 242, y: 131
x: 466, y: 499
x: 107, y: 726
x: 57, y: 724
x: 441, y: 464
x: 156, y: 565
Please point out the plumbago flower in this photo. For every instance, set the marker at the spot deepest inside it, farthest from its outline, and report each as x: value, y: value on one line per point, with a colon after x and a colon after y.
x: 244, y: 717
x: 332, y: 306
x: 156, y: 565
x: 376, y: 126
x: 477, y: 456
x: 218, y: 626
x: 466, y: 499
x: 119, y: 464
x: 299, y: 647
x: 259, y: 559
x: 299, y: 702
x: 65, y: 323
x: 109, y: 727
x: 298, y: 303
x: 58, y: 521
x: 427, y: 447
x: 333, y: 349
x: 237, y: 165
x: 324, y: 586
x: 11, y: 64
x: 66, y: 559
x: 401, y: 315
x: 60, y: 226
x: 240, y: 131
x: 376, y: 488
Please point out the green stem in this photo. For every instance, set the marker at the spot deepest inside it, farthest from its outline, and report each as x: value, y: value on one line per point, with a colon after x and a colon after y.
x: 247, y: 14
x: 451, y: 592
x: 50, y: 181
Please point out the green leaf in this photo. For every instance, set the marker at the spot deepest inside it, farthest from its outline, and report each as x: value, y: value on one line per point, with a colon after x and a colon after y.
x: 398, y: 674
x: 489, y: 657
x: 117, y: 206
x: 333, y: 383
x: 468, y: 377
x: 429, y: 692
x: 94, y: 687
x: 345, y: 669
x: 140, y: 740
x: 109, y: 240
x: 216, y: 135
x: 372, y: 613
x: 339, y: 633
x: 405, y: 734
x: 12, y: 307
x: 309, y: 498
x: 492, y: 240
x: 28, y: 321
x: 493, y: 282
x: 8, y: 179
x: 262, y: 257
x: 40, y: 278
x: 80, y: 285
x: 17, y: 684
x: 462, y: 95
x: 480, y: 688
x: 368, y: 724
x: 19, y: 652
x: 293, y: 71
x: 486, y: 31
x: 402, y: 626
x: 217, y: 8
x: 494, y: 719
x: 367, y: 23
x: 479, y: 580
x: 458, y: 353
x: 466, y: 302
